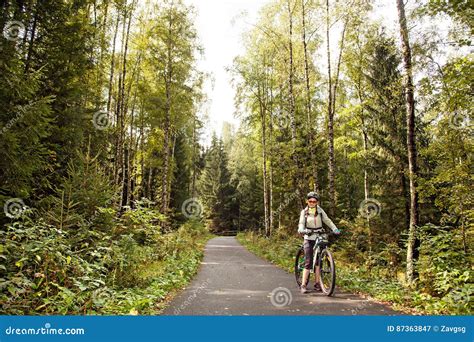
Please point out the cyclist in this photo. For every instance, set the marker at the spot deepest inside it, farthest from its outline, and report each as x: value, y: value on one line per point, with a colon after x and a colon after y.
x: 311, y: 225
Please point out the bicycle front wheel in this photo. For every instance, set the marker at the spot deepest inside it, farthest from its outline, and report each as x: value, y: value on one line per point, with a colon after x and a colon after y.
x: 299, y: 266
x: 327, y: 272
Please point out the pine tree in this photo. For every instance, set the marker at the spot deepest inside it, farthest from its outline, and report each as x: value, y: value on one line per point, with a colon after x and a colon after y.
x: 216, y: 191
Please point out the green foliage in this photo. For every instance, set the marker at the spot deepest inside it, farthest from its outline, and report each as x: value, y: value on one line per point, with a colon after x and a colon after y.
x: 79, y: 256
x: 445, y: 268
x: 92, y: 240
x: 142, y: 222
x: 45, y: 274
x: 460, y: 10
x: 25, y: 123
x: 216, y: 190
x: 247, y: 179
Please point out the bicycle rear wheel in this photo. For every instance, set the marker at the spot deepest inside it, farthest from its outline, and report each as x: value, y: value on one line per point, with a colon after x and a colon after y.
x: 299, y: 266
x: 327, y: 272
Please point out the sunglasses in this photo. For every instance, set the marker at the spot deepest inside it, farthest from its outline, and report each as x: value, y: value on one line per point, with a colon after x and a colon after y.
x: 312, y: 201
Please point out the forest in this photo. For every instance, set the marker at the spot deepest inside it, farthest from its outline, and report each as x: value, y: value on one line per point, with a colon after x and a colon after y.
x: 109, y: 190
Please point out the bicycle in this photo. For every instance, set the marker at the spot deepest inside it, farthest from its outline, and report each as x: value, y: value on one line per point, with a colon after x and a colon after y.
x: 323, y: 258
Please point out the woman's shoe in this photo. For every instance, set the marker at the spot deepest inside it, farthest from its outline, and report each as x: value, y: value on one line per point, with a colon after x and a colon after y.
x: 303, y: 289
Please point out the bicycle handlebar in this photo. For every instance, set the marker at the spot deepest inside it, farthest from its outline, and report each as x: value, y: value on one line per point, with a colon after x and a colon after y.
x: 323, y: 231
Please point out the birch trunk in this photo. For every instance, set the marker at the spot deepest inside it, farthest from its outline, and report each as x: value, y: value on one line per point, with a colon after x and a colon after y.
x: 412, y: 252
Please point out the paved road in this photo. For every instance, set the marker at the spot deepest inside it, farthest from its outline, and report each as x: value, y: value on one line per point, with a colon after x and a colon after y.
x: 233, y: 281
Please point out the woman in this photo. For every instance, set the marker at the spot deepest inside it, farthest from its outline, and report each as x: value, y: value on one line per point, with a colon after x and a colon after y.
x: 311, y: 225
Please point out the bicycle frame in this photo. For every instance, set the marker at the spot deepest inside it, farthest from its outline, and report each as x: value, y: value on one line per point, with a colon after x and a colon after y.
x: 320, y: 242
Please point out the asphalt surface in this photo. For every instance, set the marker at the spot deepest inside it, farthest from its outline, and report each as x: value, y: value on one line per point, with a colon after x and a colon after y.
x: 233, y: 281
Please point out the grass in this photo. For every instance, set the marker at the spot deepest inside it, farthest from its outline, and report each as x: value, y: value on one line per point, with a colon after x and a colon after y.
x: 164, y: 278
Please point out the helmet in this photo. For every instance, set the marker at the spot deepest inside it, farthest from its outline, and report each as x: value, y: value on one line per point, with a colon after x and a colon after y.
x: 312, y: 194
